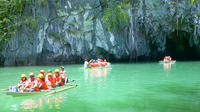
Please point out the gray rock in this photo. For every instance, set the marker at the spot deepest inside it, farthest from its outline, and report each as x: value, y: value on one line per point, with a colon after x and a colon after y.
x: 70, y: 31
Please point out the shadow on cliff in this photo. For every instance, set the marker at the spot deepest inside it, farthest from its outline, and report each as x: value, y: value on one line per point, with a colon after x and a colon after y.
x: 181, y: 46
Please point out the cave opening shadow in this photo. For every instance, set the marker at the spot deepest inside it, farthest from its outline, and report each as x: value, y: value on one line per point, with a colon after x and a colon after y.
x: 181, y: 46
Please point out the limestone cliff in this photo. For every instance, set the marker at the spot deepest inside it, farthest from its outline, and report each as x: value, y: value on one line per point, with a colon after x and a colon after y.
x: 70, y: 31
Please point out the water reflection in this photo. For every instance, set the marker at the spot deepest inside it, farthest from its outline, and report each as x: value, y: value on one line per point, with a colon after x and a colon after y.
x: 96, y: 77
x: 90, y: 74
x: 39, y: 103
x: 167, y: 66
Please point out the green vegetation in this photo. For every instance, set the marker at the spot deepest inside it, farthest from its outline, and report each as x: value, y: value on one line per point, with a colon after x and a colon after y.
x: 115, y: 13
x: 193, y: 1
x: 12, y: 16
x: 9, y: 10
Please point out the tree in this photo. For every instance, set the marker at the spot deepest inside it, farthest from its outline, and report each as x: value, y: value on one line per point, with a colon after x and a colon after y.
x: 115, y: 14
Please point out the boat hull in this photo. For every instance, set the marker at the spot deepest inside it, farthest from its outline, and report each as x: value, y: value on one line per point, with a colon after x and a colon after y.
x: 165, y: 62
x: 43, y: 92
x: 108, y: 65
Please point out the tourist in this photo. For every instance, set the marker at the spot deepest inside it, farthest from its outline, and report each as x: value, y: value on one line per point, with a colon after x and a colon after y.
x: 32, y: 83
x: 105, y: 62
x: 42, y: 72
x: 57, y: 78
x: 63, y: 74
x: 49, y: 71
x: 22, y: 83
x: 41, y: 82
x: 85, y: 64
x: 50, y: 81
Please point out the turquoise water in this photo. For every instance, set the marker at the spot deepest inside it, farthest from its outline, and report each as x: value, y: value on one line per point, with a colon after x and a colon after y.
x: 141, y: 87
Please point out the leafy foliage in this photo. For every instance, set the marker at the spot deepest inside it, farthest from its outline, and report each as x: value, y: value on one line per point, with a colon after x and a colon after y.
x: 193, y: 1
x: 115, y: 14
x: 11, y: 16
x: 8, y: 16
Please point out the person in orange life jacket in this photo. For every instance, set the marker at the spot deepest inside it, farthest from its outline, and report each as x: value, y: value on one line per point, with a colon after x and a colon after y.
x: 167, y: 58
x: 37, y: 77
x: 92, y: 65
x: 50, y: 81
x: 105, y: 62
x: 42, y: 72
x: 100, y: 62
x: 57, y: 78
x: 41, y: 82
x: 49, y: 71
x: 91, y: 61
x: 96, y: 63
x: 32, y: 83
x: 63, y: 74
x: 22, y: 83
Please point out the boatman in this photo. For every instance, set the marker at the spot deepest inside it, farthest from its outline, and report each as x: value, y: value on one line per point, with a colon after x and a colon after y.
x: 63, y: 74
x: 32, y: 83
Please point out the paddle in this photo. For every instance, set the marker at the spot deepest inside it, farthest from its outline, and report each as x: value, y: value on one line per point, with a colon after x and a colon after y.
x: 2, y: 89
x: 71, y: 81
x: 55, y: 91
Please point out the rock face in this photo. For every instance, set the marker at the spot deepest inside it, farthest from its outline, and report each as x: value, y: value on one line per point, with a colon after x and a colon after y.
x: 70, y: 31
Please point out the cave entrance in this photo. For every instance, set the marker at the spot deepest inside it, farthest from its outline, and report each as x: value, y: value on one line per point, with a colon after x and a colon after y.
x: 179, y: 48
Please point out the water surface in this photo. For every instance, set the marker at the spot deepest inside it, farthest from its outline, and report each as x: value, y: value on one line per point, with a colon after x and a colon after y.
x: 141, y: 87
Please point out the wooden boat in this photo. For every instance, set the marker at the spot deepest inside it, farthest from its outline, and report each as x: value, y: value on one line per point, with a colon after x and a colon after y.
x: 98, y: 67
x: 43, y: 92
x: 165, y: 62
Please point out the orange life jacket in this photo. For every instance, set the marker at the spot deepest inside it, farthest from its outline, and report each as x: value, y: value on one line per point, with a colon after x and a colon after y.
x: 105, y: 63
x: 23, y: 82
x: 92, y: 65
x: 58, y: 79
x: 43, y: 83
x: 31, y: 84
x: 97, y: 64
x: 50, y: 83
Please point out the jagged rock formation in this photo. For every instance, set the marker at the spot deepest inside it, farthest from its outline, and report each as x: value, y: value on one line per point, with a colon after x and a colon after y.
x: 70, y: 31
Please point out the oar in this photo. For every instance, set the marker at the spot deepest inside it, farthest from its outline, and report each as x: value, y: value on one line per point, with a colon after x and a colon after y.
x: 55, y: 91
x: 3, y: 89
x: 71, y: 81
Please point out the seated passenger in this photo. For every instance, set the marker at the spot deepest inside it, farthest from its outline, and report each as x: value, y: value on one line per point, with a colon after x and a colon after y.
x: 57, y: 78
x: 50, y: 81
x: 46, y: 76
x: 167, y: 58
x: 41, y: 82
x: 32, y: 83
x: 105, y: 62
x: 42, y: 72
x: 22, y: 83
